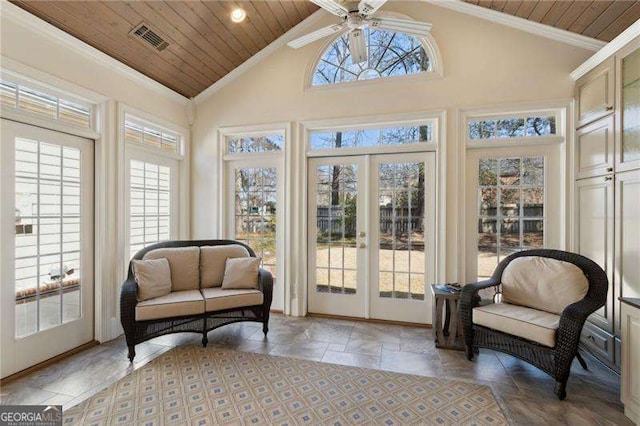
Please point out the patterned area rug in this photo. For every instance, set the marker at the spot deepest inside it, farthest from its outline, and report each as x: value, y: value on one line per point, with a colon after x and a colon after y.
x: 200, y: 386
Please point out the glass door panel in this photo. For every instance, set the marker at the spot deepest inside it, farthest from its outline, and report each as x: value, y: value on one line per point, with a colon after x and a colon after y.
x: 336, y: 252
x: 47, y: 222
x: 403, y: 227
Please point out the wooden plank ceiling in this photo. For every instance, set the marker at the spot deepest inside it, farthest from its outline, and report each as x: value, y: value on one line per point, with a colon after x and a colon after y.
x: 204, y: 45
x: 599, y: 19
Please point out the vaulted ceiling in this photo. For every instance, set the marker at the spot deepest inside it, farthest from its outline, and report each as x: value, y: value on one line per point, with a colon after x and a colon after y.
x: 599, y: 19
x: 203, y: 44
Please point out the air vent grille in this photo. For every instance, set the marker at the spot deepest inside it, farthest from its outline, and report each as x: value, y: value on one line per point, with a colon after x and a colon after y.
x: 144, y: 33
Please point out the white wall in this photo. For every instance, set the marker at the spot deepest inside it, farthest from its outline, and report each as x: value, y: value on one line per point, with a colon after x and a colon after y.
x: 484, y: 64
x: 33, y: 47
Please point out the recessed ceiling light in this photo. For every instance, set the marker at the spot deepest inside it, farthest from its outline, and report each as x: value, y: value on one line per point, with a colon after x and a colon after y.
x: 238, y: 15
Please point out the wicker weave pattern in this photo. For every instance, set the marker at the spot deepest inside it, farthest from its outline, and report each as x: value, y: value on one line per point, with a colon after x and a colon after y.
x: 554, y: 361
x: 139, y: 331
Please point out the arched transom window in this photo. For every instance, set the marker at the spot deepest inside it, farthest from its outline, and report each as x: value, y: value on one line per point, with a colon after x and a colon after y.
x: 389, y: 54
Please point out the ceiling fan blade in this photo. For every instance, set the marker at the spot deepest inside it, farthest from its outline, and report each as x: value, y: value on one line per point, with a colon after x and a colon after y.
x: 316, y: 35
x: 406, y: 26
x: 369, y: 7
x: 357, y: 46
x: 332, y: 7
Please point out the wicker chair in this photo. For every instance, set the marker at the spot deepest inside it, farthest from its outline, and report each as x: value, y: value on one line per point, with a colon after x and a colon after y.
x: 555, y: 361
x: 140, y: 331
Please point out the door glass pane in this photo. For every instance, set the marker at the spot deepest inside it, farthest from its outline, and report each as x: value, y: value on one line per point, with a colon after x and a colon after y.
x: 516, y: 186
x: 48, y: 235
x: 401, y: 189
x: 336, y: 213
x: 149, y: 204
x: 255, y: 213
x: 631, y: 107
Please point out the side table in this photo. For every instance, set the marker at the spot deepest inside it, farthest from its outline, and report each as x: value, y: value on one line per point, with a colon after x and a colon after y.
x: 447, y: 329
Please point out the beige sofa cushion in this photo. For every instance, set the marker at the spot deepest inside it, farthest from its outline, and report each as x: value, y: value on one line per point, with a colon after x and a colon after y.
x: 153, y: 277
x: 528, y: 323
x: 213, y: 260
x: 174, y: 304
x: 543, y: 283
x: 241, y: 273
x: 184, y: 263
x: 217, y: 299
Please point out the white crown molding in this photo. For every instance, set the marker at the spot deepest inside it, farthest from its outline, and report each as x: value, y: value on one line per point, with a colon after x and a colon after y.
x: 522, y: 24
x: 612, y: 47
x: 33, y: 23
x: 263, y: 54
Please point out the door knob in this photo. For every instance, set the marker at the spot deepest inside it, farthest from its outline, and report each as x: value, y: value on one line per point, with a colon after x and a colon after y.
x: 361, y: 234
x: 362, y: 245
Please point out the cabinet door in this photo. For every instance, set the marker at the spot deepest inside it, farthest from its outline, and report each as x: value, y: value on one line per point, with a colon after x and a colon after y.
x: 628, y: 107
x: 594, y: 235
x: 594, y: 148
x: 595, y: 93
x: 627, y: 237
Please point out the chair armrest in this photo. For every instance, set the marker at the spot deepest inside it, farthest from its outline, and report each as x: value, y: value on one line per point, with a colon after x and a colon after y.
x: 265, y: 284
x: 469, y: 299
x: 128, y: 302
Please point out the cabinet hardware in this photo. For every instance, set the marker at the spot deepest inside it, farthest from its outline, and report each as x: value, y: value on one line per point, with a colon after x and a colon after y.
x: 609, y: 108
x: 362, y: 234
x: 609, y: 178
x: 591, y: 337
x: 609, y: 169
x: 362, y: 245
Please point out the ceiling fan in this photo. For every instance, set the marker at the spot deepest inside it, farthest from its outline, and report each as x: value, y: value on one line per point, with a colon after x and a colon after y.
x: 356, y: 16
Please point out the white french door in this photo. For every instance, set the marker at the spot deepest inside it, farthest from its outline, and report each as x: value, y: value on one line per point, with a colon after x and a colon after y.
x: 255, y: 215
x: 46, y: 220
x: 372, y: 236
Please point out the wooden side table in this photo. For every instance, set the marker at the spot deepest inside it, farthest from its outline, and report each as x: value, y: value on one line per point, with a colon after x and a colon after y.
x: 447, y: 328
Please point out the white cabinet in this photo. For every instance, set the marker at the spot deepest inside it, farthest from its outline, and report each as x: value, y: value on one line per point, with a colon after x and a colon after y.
x: 595, y: 93
x: 594, y: 237
x: 630, y: 391
x: 627, y: 237
x: 594, y: 148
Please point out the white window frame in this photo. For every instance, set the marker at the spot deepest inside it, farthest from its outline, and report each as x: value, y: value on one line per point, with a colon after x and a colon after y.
x: 179, y: 187
x: 438, y: 145
x: 428, y: 42
x: 520, y: 146
x: 266, y: 159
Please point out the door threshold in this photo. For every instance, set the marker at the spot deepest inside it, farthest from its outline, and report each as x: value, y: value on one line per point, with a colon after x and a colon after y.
x: 48, y: 362
x: 370, y: 320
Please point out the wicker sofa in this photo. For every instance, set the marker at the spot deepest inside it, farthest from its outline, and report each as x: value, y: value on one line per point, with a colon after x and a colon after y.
x: 543, y: 327
x: 190, y: 307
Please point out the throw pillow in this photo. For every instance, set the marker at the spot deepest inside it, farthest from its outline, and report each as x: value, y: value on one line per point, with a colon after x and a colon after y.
x: 241, y: 273
x: 153, y: 277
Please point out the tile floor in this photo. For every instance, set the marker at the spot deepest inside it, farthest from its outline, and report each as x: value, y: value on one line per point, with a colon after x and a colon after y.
x: 525, y: 393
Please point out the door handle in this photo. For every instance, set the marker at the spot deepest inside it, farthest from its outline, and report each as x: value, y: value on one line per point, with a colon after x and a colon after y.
x: 362, y: 245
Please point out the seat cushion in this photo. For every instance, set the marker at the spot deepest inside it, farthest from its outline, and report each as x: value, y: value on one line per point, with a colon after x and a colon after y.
x: 212, y: 262
x: 528, y: 323
x: 241, y: 273
x: 218, y: 299
x: 153, y: 277
x: 184, y: 263
x: 174, y: 304
x: 543, y: 283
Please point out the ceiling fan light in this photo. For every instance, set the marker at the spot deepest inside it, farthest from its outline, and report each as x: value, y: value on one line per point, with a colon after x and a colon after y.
x: 238, y: 15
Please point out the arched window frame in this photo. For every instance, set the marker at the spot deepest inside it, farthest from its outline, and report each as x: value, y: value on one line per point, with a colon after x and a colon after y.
x: 428, y: 43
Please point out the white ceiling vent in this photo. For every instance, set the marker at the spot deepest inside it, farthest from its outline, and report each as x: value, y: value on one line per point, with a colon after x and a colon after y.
x: 147, y: 35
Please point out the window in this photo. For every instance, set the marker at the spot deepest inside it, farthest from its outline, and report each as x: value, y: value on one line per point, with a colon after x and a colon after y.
x: 263, y: 143
x: 358, y: 138
x: 389, y: 54
x: 28, y: 99
x: 137, y: 132
x: 511, y: 192
x: 149, y: 204
x: 154, y: 170
x: 512, y: 127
